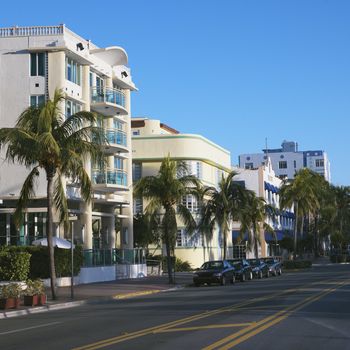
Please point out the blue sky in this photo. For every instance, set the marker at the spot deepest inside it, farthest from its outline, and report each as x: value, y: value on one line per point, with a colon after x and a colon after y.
x: 234, y: 71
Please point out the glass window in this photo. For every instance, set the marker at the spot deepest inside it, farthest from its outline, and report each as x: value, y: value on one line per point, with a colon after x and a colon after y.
x: 136, y: 171
x: 199, y: 170
x: 37, y: 64
x: 37, y: 100
x: 295, y: 164
x: 136, y: 133
x: 249, y: 165
x: 73, y: 71
x: 118, y: 163
x: 319, y: 163
x: 282, y: 164
x: 72, y: 108
x: 117, y: 124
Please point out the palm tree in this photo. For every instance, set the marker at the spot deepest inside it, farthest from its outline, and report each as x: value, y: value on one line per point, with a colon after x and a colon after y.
x: 165, y: 192
x: 301, y: 192
x: 254, y: 218
x: 221, y: 206
x: 44, y: 140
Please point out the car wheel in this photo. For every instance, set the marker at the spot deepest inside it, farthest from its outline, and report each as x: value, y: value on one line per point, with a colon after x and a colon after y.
x: 268, y: 274
x: 243, y: 278
x: 233, y: 281
x: 250, y: 276
x: 280, y: 272
x: 260, y: 275
x: 275, y: 273
x: 223, y: 281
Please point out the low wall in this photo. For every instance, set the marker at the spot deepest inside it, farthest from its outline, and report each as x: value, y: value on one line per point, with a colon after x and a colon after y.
x: 103, y: 274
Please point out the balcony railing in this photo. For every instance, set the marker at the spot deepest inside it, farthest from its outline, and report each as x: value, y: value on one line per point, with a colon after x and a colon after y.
x: 32, y: 31
x: 110, y: 177
x: 107, y: 95
x: 116, y: 137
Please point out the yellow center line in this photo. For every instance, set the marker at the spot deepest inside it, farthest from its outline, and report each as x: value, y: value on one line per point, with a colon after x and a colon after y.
x: 212, y: 326
x: 162, y: 327
x: 268, y: 322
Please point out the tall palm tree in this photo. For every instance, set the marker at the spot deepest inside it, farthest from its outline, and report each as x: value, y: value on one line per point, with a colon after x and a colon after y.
x: 221, y: 206
x: 165, y: 192
x: 254, y: 217
x: 301, y: 192
x: 44, y: 140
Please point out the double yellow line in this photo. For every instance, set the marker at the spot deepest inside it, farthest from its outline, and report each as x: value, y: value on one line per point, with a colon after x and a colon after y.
x: 254, y: 327
x: 246, y: 333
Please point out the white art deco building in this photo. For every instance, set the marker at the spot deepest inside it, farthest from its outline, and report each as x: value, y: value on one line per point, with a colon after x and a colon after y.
x: 34, y: 61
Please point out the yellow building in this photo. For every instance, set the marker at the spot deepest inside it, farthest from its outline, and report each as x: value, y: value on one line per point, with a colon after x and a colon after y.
x: 151, y: 142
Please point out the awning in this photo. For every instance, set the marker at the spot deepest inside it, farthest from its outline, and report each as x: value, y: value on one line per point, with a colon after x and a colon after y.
x: 236, y: 236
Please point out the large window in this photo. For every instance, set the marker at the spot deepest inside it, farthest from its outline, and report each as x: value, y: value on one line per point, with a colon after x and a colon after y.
x: 282, y: 164
x: 136, y: 171
x: 319, y: 163
x: 73, y: 71
x: 72, y: 107
x: 183, y: 239
x: 249, y: 165
x: 118, y: 163
x: 37, y: 100
x: 191, y: 203
x: 37, y: 64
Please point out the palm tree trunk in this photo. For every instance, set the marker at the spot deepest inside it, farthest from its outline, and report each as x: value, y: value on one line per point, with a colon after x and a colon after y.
x: 256, y: 251
x: 49, y: 233
x: 225, y: 244
x: 295, y: 230
x: 168, y: 256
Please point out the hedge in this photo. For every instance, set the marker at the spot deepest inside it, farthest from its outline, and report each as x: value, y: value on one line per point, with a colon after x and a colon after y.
x: 339, y: 258
x: 39, y: 266
x: 14, y: 266
x: 180, y: 265
x: 297, y: 264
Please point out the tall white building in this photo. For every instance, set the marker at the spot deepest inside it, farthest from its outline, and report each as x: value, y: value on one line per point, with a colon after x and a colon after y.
x: 288, y: 159
x: 34, y: 61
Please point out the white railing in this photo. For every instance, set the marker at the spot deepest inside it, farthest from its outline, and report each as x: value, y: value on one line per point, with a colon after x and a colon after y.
x: 32, y: 31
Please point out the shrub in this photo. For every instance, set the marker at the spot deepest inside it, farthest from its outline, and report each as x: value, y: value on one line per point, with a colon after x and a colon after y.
x: 39, y: 266
x: 180, y: 265
x: 339, y: 258
x: 11, y: 290
x: 14, y: 266
x: 297, y: 264
x: 35, y: 287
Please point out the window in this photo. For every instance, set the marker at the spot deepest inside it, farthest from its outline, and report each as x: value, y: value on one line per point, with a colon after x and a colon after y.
x: 199, y: 170
x: 136, y: 171
x: 179, y: 238
x: 138, y: 207
x: 91, y: 79
x: 37, y: 64
x: 191, y: 203
x: 73, y: 71
x: 118, y: 163
x: 282, y: 164
x: 295, y: 164
x: 37, y: 100
x: 319, y: 163
x: 183, y: 239
x: 249, y: 166
x: 99, y: 83
x: 283, y: 176
x: 117, y: 124
x: 136, y: 133
x: 72, y: 108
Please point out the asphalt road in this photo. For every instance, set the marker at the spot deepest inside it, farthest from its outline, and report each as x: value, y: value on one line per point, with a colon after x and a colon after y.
x: 302, y: 310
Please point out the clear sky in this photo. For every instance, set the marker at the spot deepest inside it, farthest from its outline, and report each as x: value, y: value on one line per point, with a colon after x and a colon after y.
x: 234, y: 71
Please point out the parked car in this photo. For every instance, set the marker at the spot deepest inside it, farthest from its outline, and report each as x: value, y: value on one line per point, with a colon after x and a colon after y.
x: 243, y: 270
x: 260, y: 268
x: 275, y: 266
x: 218, y: 271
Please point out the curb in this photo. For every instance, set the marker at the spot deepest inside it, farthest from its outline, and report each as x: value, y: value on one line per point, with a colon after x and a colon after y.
x: 71, y: 304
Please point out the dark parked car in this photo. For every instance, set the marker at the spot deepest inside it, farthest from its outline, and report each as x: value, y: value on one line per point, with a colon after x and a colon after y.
x: 260, y: 268
x: 275, y: 266
x: 243, y: 270
x: 218, y: 271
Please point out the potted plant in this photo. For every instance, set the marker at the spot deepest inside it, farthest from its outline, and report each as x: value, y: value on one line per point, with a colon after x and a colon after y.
x: 35, y: 293
x: 10, y: 295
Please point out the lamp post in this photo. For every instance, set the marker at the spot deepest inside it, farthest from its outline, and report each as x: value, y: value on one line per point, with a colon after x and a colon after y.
x: 72, y: 219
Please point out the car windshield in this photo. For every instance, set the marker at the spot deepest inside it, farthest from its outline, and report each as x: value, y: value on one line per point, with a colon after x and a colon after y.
x: 254, y: 262
x: 270, y: 261
x: 212, y: 265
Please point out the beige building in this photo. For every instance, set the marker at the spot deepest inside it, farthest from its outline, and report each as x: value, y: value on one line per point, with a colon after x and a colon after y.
x: 34, y: 61
x: 265, y: 184
x: 151, y: 142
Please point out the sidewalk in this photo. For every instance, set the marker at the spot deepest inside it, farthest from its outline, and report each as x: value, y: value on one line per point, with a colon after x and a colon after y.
x: 97, y: 292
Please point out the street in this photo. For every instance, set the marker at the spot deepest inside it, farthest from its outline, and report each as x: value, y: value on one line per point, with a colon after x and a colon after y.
x: 298, y: 310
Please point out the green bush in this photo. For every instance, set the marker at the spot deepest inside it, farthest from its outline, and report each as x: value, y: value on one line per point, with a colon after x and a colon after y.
x: 339, y: 258
x: 297, y: 264
x: 180, y: 265
x: 39, y: 266
x: 14, y: 266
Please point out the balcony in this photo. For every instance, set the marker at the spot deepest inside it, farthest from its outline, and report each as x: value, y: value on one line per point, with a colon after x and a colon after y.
x: 117, y: 141
x: 109, y: 180
x: 108, y: 101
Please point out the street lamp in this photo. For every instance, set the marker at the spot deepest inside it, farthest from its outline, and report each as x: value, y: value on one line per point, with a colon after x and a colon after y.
x: 72, y: 219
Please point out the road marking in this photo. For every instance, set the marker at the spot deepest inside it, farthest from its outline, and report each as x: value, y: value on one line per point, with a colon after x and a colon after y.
x: 268, y: 322
x: 212, y: 326
x: 28, y: 328
x: 136, y: 294
x: 121, y: 338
